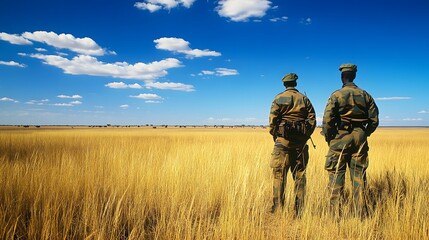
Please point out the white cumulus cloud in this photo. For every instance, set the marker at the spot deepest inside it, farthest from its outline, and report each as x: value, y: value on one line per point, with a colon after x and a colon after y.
x: 84, y: 45
x: 155, y: 5
x: 14, y: 39
x: 117, y: 85
x: 135, y: 86
x: 12, y: 64
x: 148, y: 6
x: 179, y: 45
x: 148, y: 96
x: 170, y: 86
x: 122, y: 85
x: 243, y: 10
x: 88, y: 65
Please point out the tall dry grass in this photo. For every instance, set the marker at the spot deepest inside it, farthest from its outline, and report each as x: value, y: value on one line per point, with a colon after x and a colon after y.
x: 195, y: 184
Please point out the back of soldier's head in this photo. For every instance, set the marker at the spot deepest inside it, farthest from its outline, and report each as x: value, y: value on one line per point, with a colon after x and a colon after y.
x: 289, y: 80
x: 290, y: 84
x: 348, y: 72
x: 348, y: 76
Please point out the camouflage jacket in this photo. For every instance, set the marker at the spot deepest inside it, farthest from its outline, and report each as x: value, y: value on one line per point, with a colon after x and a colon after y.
x: 349, y: 105
x: 291, y: 105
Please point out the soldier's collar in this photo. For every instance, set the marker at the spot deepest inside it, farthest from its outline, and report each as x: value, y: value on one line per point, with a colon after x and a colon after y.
x: 349, y: 84
x: 291, y: 88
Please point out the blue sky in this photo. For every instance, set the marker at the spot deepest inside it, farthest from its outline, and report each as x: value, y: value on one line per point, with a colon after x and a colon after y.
x: 205, y: 62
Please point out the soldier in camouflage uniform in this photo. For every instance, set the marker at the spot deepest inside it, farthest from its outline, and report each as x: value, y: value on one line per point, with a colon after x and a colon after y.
x: 292, y: 121
x: 350, y: 116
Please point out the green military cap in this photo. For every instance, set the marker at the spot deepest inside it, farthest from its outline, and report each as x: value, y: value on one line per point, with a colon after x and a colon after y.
x: 290, y: 77
x: 348, y: 67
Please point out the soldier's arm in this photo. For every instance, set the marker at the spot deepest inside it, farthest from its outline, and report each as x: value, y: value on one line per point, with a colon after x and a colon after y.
x: 273, y: 119
x: 311, y: 117
x: 329, y: 127
x: 372, y: 116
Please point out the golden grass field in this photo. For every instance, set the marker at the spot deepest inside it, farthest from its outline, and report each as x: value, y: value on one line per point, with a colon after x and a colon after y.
x: 195, y: 183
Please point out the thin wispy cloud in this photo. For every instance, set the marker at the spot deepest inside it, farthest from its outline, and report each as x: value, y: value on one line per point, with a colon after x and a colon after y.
x: 423, y: 112
x: 69, y: 104
x: 67, y: 96
x: 41, y: 50
x: 122, y: 85
x: 170, y: 86
x: 221, y: 72
x: 147, y: 96
x: 386, y: 119
x: 279, y: 19
x: 249, y: 120
x: 207, y: 72
x: 306, y: 21
x: 179, y: 45
x: 38, y: 102
x: 63, y: 105
x: 6, y: 99
x: 392, y: 98
x: 153, y: 101
x: 14, y: 39
x: 155, y: 5
x: 413, y: 119
x: 241, y: 11
x: 61, y: 54
x: 13, y: 64
x: 88, y: 65
x: 226, y: 72
x: 124, y: 106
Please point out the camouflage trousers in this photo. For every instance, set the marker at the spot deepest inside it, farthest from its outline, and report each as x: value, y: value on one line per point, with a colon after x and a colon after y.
x: 348, y: 149
x: 285, y: 158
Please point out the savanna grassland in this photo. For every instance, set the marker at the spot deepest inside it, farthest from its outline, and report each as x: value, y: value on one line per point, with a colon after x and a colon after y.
x: 196, y: 183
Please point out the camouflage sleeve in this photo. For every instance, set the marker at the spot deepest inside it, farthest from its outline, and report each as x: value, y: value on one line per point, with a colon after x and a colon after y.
x: 330, y: 117
x: 274, y: 115
x: 372, y: 116
x: 311, y: 117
